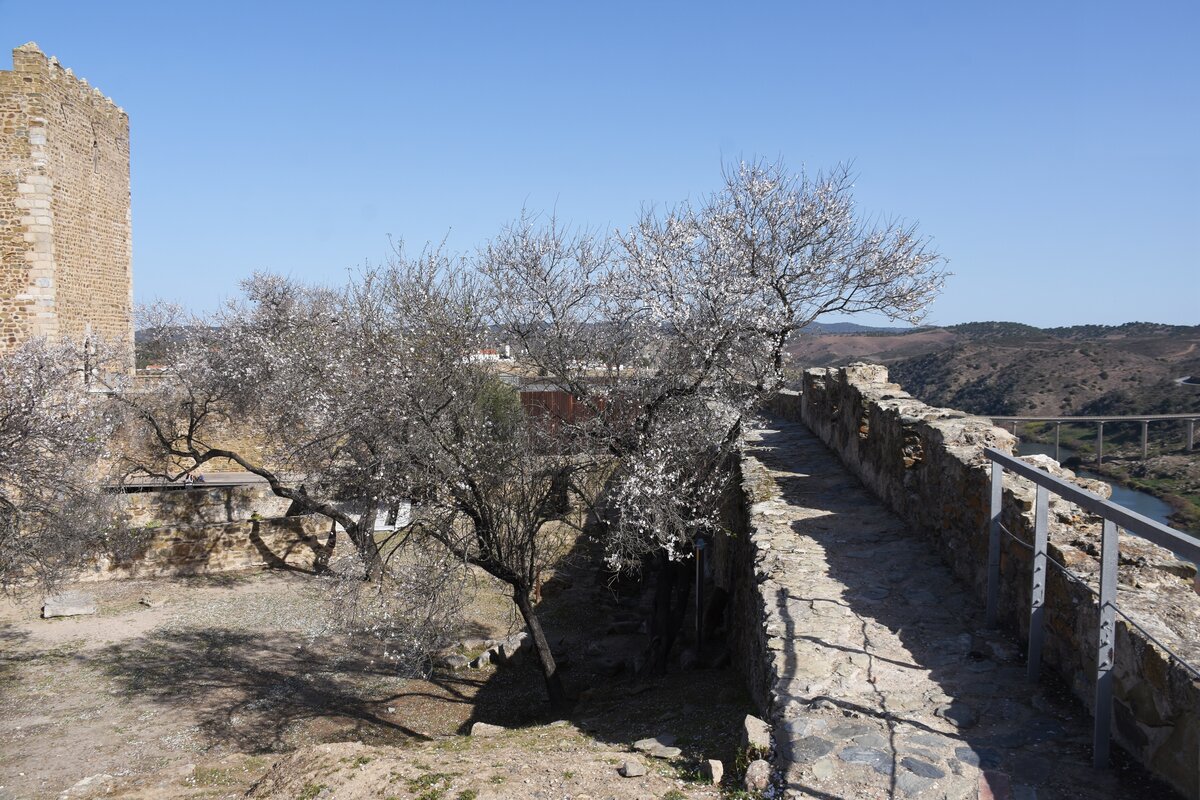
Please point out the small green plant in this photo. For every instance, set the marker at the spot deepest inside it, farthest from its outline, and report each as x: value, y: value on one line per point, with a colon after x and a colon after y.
x: 747, y: 755
x: 360, y: 761
x: 210, y: 776
x: 674, y: 794
x: 467, y: 794
x: 496, y: 780
x: 568, y: 774
x: 431, y: 786
x: 311, y: 790
x: 739, y: 794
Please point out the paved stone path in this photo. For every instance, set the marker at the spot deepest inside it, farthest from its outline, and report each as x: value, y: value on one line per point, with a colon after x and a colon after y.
x: 887, y: 684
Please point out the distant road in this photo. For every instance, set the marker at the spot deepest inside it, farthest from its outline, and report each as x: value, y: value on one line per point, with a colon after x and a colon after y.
x: 1188, y: 380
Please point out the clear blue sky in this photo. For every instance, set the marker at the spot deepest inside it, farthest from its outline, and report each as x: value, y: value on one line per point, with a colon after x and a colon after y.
x: 1050, y: 148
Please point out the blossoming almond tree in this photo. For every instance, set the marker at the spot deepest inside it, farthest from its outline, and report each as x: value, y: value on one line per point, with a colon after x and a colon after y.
x: 290, y: 384
x: 54, y: 511
x: 345, y: 399
x: 683, y: 322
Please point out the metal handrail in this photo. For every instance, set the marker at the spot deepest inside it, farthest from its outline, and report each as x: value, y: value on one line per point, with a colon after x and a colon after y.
x: 1131, y: 521
x: 1112, y: 516
x: 1098, y: 418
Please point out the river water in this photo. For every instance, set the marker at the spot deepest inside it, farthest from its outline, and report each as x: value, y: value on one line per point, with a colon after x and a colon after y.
x: 1145, y: 504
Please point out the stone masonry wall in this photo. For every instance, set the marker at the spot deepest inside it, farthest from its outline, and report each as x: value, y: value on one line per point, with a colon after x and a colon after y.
x: 65, y: 235
x: 288, y: 542
x: 216, y: 529
x: 738, y: 570
x: 928, y: 465
x: 204, y: 506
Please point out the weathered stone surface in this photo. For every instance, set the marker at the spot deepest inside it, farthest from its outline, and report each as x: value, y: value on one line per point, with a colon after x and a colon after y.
x: 489, y: 656
x: 68, y: 604
x: 877, y: 760
x: 65, y: 232
x: 756, y: 734
x: 484, y: 729
x: 712, y: 771
x: 654, y: 742
x: 632, y: 768
x: 758, y: 776
x: 985, y: 757
x: 852, y: 686
x: 512, y: 647
x: 201, y: 549
x: 664, y: 752
x: 922, y: 768
x: 810, y: 748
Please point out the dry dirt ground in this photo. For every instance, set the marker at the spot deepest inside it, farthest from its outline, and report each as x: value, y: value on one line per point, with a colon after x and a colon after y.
x: 204, y: 695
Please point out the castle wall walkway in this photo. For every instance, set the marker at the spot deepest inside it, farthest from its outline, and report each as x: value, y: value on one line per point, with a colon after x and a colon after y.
x: 875, y: 669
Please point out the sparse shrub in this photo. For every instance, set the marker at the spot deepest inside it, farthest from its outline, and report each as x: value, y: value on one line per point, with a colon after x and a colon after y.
x: 310, y: 791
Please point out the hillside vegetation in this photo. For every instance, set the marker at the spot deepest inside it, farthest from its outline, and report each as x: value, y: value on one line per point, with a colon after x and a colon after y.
x: 1010, y: 369
x: 1007, y: 368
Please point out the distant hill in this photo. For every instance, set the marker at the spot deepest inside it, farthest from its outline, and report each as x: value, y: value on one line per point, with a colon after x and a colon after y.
x: 1009, y: 368
x: 852, y: 327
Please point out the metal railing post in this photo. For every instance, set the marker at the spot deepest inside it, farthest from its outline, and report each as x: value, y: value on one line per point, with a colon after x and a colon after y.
x: 993, y: 573
x: 1037, y: 597
x: 1057, y: 430
x: 1191, y: 434
x: 1099, y: 443
x: 1106, y: 635
x: 1145, y: 440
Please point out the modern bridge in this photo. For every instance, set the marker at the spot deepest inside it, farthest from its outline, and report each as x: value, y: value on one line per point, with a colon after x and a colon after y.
x: 1100, y: 421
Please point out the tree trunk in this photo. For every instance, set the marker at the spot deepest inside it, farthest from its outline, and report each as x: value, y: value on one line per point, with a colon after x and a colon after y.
x: 362, y: 534
x: 554, y: 687
x: 321, y: 562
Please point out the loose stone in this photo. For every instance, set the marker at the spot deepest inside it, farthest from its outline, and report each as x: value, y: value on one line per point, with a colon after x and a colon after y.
x: 654, y: 742
x: 455, y: 661
x: 68, y: 604
x: 632, y: 768
x: 758, y: 776
x: 712, y: 770
x: 756, y: 734
x: 665, y: 752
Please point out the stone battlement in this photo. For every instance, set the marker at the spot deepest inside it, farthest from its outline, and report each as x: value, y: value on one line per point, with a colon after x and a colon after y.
x: 29, y: 61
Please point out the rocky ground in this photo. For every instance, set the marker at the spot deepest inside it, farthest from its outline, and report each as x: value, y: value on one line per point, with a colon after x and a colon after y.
x: 228, y: 679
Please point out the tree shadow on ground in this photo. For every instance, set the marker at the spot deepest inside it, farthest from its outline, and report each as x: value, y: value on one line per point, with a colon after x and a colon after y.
x: 258, y: 693
x: 592, y: 620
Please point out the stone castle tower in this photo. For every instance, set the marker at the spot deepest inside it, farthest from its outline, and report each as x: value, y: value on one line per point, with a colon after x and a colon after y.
x: 66, y: 259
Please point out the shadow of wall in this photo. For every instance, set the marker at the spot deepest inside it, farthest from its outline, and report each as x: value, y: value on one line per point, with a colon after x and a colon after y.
x: 927, y: 465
